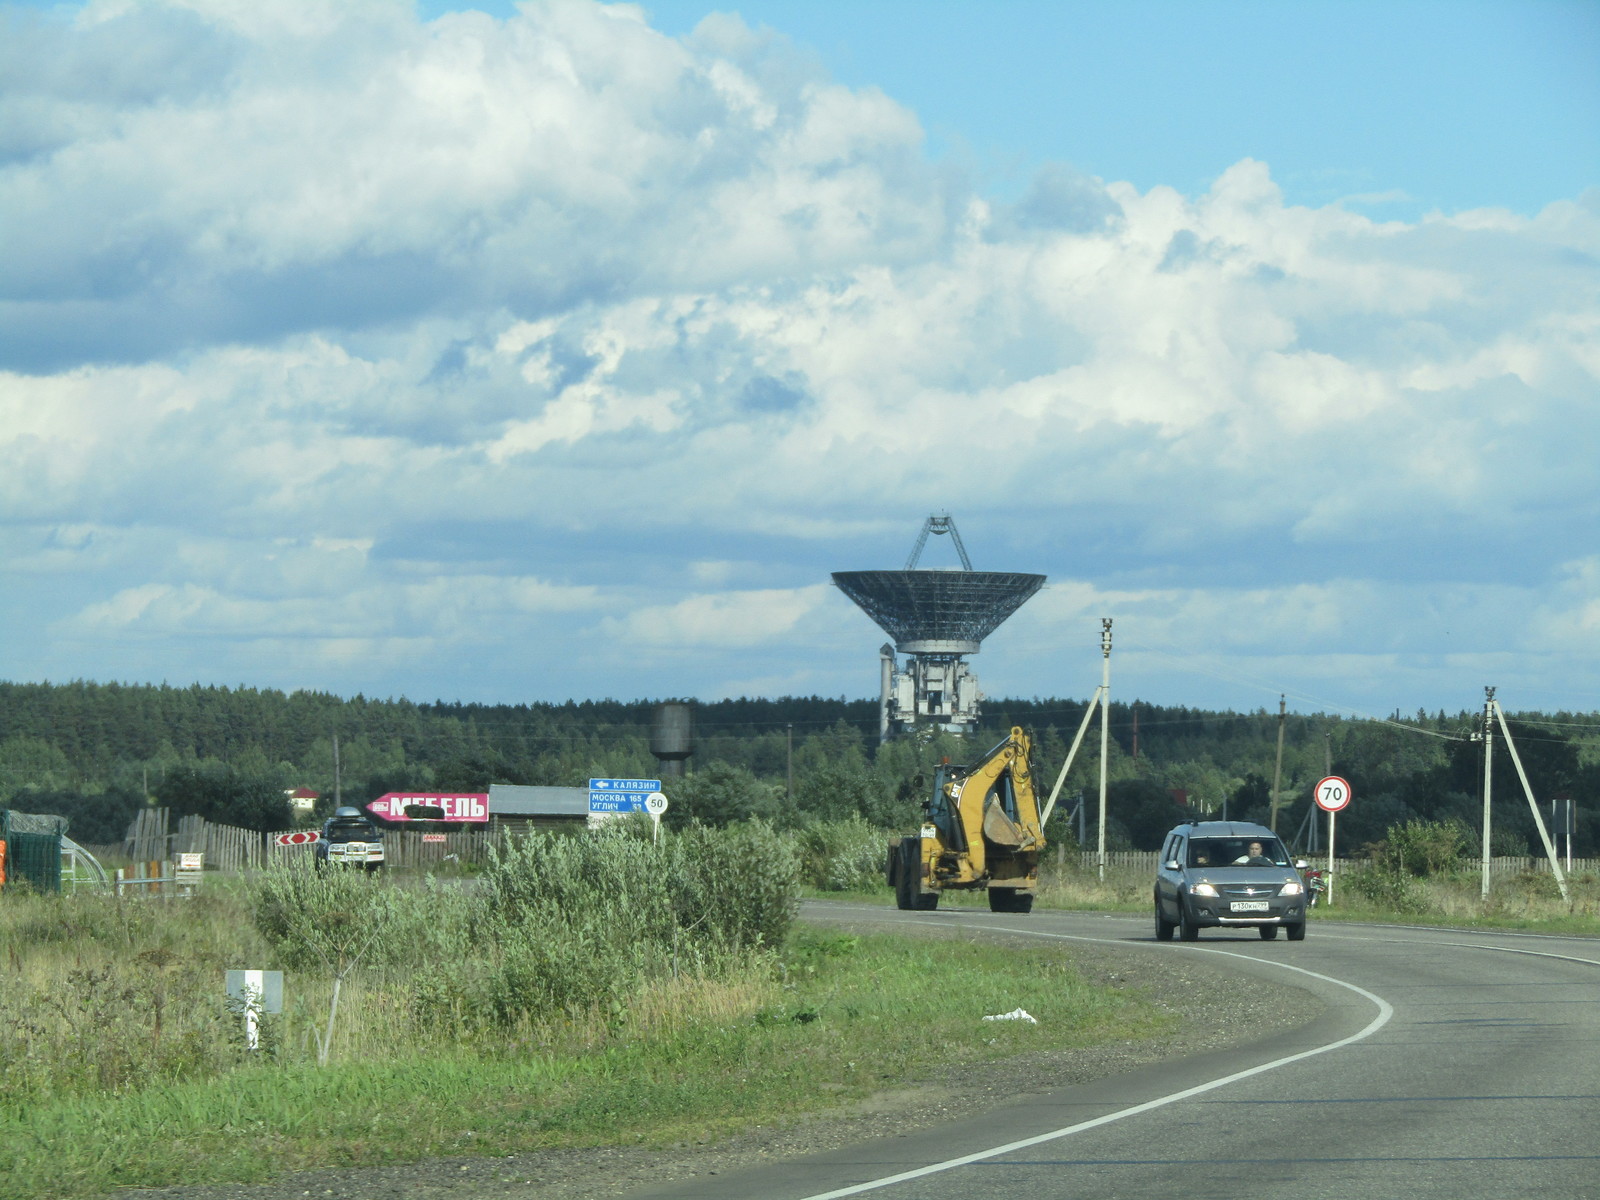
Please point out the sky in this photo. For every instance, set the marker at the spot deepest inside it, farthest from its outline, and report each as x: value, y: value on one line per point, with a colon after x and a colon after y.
x: 561, y: 350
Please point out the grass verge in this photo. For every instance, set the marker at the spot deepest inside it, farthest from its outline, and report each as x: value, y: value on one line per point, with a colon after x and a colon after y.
x: 843, y: 1017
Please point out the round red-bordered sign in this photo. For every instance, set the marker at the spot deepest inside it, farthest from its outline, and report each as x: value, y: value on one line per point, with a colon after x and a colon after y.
x: 1332, y: 794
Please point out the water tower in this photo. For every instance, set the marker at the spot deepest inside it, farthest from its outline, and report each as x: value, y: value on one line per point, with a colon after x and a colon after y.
x: 671, y: 737
x: 936, y: 617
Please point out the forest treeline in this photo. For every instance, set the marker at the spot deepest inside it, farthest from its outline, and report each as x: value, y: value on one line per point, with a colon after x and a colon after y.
x: 96, y: 752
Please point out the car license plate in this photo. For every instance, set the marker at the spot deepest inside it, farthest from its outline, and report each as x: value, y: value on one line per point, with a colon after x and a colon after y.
x: 1248, y: 906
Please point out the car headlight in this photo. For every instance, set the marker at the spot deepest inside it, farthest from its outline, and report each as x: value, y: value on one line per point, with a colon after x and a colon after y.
x: 1203, y: 889
x: 1290, y: 889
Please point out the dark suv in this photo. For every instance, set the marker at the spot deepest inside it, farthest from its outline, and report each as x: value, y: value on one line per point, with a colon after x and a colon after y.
x: 350, y: 837
x: 1227, y: 873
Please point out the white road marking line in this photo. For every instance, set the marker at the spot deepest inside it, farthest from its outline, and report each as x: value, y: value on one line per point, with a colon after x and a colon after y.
x: 1385, y: 1012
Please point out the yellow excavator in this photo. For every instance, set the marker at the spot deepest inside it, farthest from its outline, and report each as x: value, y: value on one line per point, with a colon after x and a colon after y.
x: 980, y: 829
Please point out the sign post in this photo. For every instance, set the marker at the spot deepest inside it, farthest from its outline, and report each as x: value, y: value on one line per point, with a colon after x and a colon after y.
x: 655, y: 804
x: 190, y: 872
x: 1332, y: 794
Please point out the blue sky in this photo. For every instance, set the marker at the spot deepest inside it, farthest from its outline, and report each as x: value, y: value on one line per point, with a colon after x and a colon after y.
x: 1397, y: 107
x: 563, y: 350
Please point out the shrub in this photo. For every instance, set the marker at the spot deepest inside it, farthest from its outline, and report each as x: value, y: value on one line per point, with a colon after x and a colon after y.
x: 1422, y: 847
x: 574, y: 923
x: 339, y: 919
x: 1387, y: 889
x: 842, y: 856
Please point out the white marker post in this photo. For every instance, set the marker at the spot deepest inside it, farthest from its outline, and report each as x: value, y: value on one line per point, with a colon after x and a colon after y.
x: 655, y: 804
x: 255, y: 992
x: 1332, y: 794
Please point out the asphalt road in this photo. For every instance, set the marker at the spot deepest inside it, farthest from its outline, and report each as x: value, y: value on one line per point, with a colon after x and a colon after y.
x: 1446, y: 1065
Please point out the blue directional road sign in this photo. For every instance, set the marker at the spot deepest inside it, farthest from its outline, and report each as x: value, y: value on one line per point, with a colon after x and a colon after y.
x: 620, y: 795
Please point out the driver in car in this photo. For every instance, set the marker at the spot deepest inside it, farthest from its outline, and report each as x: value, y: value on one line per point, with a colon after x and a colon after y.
x: 1255, y: 858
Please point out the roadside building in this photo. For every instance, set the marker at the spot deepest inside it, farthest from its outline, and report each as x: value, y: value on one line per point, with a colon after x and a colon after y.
x: 516, y: 808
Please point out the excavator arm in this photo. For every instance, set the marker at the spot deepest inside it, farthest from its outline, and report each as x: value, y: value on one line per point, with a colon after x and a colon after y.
x: 995, y: 806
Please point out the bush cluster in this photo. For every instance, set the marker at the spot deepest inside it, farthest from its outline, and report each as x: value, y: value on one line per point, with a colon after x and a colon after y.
x: 105, y: 996
x: 563, y: 926
x: 842, y: 856
x: 1421, y: 848
x: 1389, y: 889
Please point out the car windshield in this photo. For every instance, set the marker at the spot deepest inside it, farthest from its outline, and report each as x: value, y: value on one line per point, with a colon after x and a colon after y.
x: 351, y: 833
x: 1237, y: 852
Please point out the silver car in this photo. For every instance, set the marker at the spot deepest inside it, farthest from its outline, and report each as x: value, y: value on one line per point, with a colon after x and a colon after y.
x: 1227, y: 873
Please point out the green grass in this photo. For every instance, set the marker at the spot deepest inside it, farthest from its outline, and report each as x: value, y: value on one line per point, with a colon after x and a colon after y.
x: 838, y: 1018
x: 120, y: 1065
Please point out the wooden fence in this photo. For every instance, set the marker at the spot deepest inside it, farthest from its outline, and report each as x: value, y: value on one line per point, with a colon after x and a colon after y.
x: 151, y: 837
x: 404, y: 848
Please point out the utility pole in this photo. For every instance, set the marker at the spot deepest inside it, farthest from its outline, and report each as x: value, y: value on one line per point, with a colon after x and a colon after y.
x: 1488, y: 776
x: 1277, y: 771
x: 1105, y: 734
x: 791, y: 766
x: 1533, y: 805
x: 338, y: 798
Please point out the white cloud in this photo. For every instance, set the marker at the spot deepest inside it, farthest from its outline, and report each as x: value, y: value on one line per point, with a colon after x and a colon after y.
x: 562, y: 336
x: 720, y: 620
x: 460, y: 609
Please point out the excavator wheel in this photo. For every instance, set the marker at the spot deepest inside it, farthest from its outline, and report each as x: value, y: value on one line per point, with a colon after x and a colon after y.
x: 908, y: 892
x: 903, y: 896
x: 1010, y: 900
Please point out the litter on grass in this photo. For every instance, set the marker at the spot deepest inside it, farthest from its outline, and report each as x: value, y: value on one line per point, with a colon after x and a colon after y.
x: 1016, y: 1014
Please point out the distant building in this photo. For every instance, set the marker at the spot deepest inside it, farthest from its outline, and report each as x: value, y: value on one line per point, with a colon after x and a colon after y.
x: 302, y: 801
x: 517, y: 808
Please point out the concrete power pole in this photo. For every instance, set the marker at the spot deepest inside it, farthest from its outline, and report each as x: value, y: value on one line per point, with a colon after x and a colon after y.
x: 1105, y: 736
x: 1277, y: 771
x: 1488, y: 775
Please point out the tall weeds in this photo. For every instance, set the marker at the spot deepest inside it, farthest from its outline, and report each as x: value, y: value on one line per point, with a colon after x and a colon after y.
x: 566, y: 925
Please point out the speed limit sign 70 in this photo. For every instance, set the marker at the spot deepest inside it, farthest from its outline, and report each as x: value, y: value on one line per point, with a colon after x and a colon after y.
x: 1332, y: 794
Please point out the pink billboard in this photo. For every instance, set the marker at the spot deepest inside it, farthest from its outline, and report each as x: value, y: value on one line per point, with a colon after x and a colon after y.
x: 432, y: 806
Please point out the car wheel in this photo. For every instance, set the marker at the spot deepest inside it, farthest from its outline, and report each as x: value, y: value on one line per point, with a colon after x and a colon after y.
x: 1164, y: 927
x: 1268, y: 932
x: 926, y: 902
x: 1297, y: 933
x: 1187, y: 929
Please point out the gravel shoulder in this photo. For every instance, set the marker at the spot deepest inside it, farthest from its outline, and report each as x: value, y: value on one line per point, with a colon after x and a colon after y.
x: 1211, y: 1017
